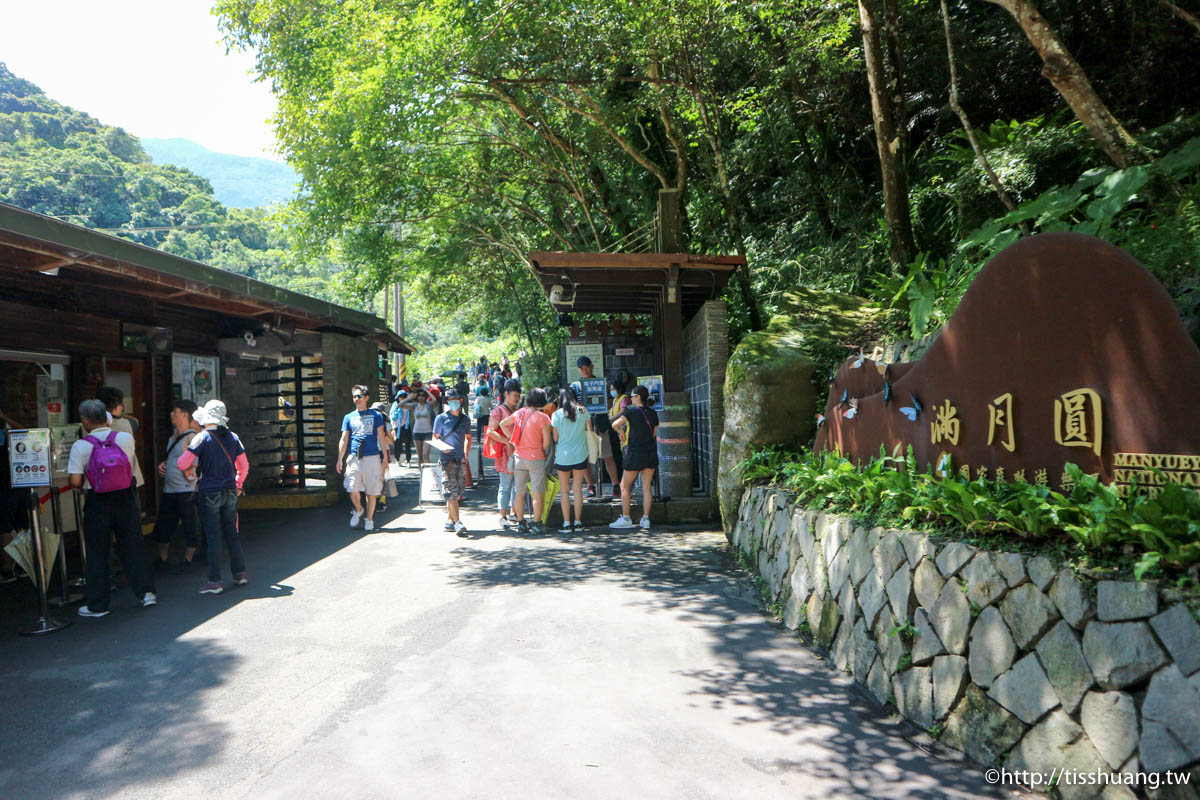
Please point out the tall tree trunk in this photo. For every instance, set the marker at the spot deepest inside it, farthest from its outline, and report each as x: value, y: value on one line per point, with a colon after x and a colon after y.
x: 1062, y: 70
x: 895, y: 185
x: 992, y: 177
x: 1190, y: 19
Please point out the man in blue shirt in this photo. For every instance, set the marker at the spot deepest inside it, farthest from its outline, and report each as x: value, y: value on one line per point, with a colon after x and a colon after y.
x: 364, y: 435
x: 451, y: 428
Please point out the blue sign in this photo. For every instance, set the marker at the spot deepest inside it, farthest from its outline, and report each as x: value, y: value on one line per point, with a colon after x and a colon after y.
x: 594, y: 396
x: 655, y: 384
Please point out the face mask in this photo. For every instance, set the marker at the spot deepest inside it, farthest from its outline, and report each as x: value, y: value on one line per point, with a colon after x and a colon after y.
x: 612, y: 392
x: 454, y: 405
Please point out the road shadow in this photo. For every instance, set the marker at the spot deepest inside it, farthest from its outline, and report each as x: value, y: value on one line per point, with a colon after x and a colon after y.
x: 118, y: 702
x: 763, y: 673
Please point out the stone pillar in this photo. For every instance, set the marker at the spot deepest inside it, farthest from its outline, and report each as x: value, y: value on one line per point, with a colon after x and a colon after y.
x: 675, y: 445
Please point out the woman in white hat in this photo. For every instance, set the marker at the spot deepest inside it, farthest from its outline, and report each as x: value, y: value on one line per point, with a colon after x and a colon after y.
x: 217, y: 454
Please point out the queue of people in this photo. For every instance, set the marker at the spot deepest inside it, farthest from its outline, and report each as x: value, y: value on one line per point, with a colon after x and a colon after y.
x: 533, y: 439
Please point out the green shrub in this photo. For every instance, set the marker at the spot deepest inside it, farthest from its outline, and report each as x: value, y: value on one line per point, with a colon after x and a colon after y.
x: 1162, y: 531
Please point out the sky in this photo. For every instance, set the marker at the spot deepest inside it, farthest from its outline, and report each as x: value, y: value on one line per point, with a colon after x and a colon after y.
x: 156, y: 68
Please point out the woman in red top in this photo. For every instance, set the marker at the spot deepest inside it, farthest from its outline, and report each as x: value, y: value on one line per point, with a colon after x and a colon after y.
x: 529, y: 430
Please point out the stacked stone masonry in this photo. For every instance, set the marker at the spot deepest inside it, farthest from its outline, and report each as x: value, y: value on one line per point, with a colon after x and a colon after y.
x: 1005, y: 657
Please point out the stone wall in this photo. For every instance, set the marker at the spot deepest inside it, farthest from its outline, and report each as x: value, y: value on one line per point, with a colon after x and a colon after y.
x: 1009, y: 658
x: 705, y: 354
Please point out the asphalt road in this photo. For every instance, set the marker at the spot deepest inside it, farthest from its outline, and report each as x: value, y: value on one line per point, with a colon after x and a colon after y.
x: 409, y: 663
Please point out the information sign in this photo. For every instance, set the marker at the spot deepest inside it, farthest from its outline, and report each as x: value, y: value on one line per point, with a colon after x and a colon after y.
x: 29, y: 457
x: 593, y: 395
x: 592, y: 348
x: 62, y: 437
x: 654, y: 384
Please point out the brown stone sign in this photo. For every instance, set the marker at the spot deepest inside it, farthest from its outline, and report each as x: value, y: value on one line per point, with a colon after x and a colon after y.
x: 1064, y: 349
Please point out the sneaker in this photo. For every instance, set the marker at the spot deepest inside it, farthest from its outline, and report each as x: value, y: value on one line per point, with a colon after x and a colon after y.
x: 181, y: 567
x: 645, y: 523
x: 566, y: 527
x: 578, y: 526
x: 84, y: 611
x: 460, y: 529
x: 449, y: 526
x: 149, y: 599
x: 354, y: 518
x: 622, y: 522
x: 369, y: 525
x: 241, y: 579
x: 522, y: 526
x: 212, y: 587
x: 504, y: 522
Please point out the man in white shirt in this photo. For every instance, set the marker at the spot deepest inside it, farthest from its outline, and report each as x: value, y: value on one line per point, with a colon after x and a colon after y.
x: 114, y: 400
x: 108, y: 513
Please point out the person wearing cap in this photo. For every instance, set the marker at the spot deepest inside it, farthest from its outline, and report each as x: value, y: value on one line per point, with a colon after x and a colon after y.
x: 452, y: 428
x: 401, y: 417
x: 217, y: 454
x: 601, y: 427
x: 364, y: 436
x: 389, y: 437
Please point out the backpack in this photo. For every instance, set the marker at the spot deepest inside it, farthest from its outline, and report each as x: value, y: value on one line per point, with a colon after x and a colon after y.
x: 108, y: 468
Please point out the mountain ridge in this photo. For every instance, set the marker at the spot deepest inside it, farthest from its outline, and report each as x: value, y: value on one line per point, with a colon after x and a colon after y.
x: 237, y: 181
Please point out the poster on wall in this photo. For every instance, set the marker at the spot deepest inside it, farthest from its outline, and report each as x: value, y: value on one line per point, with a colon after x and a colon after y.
x: 592, y: 348
x: 654, y: 384
x: 62, y: 437
x: 194, y: 378
x: 29, y: 457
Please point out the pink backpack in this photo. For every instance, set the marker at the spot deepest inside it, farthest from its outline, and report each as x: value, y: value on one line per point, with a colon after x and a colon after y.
x: 108, y: 469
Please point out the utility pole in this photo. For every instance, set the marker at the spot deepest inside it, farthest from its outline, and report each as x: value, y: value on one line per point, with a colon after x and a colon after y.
x: 398, y: 304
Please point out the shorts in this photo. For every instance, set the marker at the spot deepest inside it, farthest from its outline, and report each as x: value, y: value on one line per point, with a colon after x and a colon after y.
x: 422, y: 437
x: 531, y: 471
x: 175, y: 508
x: 636, y: 460
x: 571, y: 467
x: 364, y: 475
x: 454, y: 478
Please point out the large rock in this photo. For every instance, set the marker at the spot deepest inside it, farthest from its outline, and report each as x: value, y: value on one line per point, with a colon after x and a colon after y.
x: 916, y: 547
x: 953, y: 557
x: 891, y: 647
x: 1011, y: 566
x: 1110, y: 720
x: 793, y: 611
x: 927, y: 583
x: 1024, y: 690
x: 769, y: 398
x: 1117, y: 601
x: 1041, y: 572
x: 871, y: 596
x: 1121, y: 653
x: 823, y: 618
x: 889, y: 555
x: 848, y: 603
x: 927, y: 645
x: 949, y: 675
x: 914, y: 695
x: 804, y: 522
x: 877, y: 682
x: 1069, y: 595
x: 1179, y: 633
x: 858, y: 556
x: 992, y: 648
x: 899, y: 592
x: 1029, y: 613
x: 801, y: 581
x: 862, y: 651
x: 834, y: 531
x: 951, y: 618
x: 1170, y: 722
x: 985, y: 585
x: 1065, y: 666
x: 842, y: 644
x: 980, y: 727
x: 1044, y: 748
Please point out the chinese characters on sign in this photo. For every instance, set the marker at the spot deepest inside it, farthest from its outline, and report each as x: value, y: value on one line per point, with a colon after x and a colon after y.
x: 1079, y: 420
x: 1000, y: 418
x: 946, y: 426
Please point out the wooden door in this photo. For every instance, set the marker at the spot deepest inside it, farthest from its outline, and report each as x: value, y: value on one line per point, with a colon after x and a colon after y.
x: 131, y: 375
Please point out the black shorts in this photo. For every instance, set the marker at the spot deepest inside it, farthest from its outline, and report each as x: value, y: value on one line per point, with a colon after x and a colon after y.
x: 422, y: 437
x: 571, y: 467
x: 174, y: 508
x: 637, y: 460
